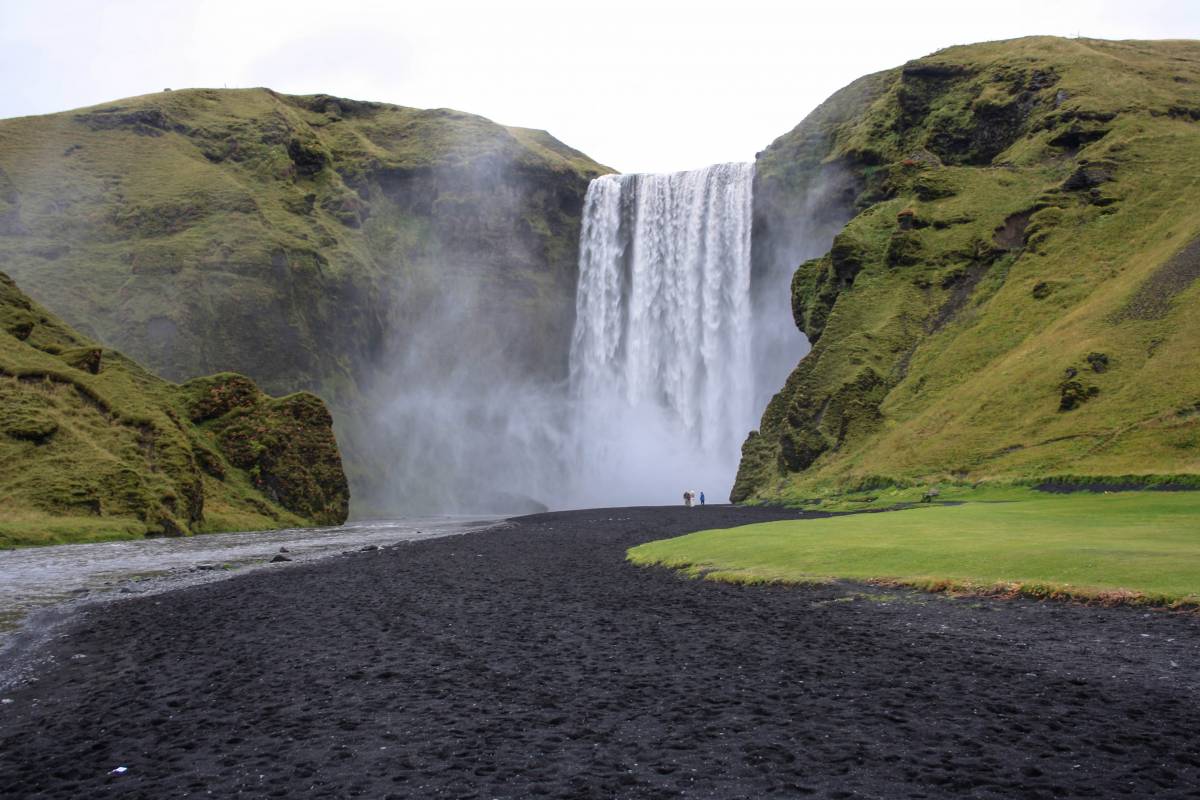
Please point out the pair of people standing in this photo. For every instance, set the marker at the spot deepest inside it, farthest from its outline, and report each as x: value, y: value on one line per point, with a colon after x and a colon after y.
x: 689, y: 497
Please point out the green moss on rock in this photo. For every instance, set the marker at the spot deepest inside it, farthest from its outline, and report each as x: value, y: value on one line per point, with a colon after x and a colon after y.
x: 94, y: 446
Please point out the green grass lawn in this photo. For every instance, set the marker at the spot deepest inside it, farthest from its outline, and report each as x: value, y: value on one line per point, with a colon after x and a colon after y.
x: 30, y: 528
x: 1129, y: 547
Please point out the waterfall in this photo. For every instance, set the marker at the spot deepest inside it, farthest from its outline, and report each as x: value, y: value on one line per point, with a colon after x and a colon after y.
x: 661, y: 375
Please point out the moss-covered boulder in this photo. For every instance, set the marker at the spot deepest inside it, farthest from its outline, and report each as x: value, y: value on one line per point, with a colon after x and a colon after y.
x: 93, y: 446
x: 285, y: 445
x: 1008, y: 208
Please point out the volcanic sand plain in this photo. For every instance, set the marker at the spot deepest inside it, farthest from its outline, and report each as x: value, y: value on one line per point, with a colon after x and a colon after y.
x: 533, y: 659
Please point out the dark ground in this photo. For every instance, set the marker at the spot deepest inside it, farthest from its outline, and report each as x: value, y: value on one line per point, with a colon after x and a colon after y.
x: 533, y: 661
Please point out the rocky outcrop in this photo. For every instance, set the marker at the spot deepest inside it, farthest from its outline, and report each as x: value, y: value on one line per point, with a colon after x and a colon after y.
x: 91, y: 444
x: 285, y: 445
x: 1010, y: 207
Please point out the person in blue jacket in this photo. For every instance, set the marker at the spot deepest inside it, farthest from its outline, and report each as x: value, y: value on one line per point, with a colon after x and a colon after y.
x: 702, y: 498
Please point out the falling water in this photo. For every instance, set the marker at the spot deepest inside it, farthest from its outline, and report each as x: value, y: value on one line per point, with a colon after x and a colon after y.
x: 661, y: 373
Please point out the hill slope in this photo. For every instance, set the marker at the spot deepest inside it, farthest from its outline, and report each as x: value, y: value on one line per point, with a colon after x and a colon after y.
x: 1016, y: 295
x: 303, y: 241
x: 93, y: 446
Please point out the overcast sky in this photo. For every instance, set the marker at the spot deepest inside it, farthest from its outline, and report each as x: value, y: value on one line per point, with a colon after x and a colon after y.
x: 640, y: 85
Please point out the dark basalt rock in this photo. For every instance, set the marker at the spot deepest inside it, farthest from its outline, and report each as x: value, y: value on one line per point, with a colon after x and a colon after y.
x: 143, y: 121
x: 217, y: 395
x: 904, y: 248
x: 1073, y: 394
x: 1191, y: 113
x: 1154, y: 298
x: 933, y: 70
x: 308, y: 157
x: 1011, y: 235
x: 1076, y: 135
x: 799, y: 448
x: 88, y: 359
x: 210, y: 462
x: 21, y: 327
x: 337, y: 107
x: 287, y: 446
x: 1087, y: 177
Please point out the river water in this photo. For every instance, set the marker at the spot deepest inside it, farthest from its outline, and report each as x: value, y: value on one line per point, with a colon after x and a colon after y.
x: 34, y: 579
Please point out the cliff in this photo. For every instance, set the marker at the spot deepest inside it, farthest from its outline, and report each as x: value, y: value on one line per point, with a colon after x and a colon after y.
x: 1014, y: 295
x: 303, y: 241
x: 93, y: 446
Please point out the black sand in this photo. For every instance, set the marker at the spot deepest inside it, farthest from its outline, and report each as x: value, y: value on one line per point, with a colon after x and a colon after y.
x: 533, y: 661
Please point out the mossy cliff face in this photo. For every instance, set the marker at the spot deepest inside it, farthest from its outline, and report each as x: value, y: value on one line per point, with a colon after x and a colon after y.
x: 93, y: 446
x: 1016, y: 293
x: 297, y: 240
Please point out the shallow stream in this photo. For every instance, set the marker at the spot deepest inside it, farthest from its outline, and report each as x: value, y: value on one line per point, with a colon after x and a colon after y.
x: 36, y: 579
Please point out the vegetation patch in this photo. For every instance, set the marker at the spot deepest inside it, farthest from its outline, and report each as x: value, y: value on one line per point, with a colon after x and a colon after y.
x: 1126, y: 548
x: 1018, y: 273
x: 93, y: 447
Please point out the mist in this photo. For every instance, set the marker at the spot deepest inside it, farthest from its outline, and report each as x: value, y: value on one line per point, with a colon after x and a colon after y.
x: 461, y: 427
x: 466, y: 406
x: 787, y: 232
x: 672, y: 341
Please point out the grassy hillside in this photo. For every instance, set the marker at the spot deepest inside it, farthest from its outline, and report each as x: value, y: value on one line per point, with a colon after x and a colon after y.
x: 92, y: 446
x: 1015, y: 296
x: 297, y: 240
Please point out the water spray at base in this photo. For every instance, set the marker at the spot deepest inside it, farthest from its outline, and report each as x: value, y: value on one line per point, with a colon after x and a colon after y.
x: 672, y: 357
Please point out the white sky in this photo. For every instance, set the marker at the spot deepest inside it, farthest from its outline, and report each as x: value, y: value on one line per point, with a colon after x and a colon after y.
x: 645, y: 86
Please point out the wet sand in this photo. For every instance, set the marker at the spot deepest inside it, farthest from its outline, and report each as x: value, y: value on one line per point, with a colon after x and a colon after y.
x: 532, y: 660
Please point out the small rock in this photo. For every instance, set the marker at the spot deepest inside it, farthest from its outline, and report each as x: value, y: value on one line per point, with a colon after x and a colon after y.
x: 278, y: 559
x: 1087, y: 177
x: 6, y: 701
x: 370, y: 547
x: 284, y: 550
x: 206, y: 566
x: 1098, y: 361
